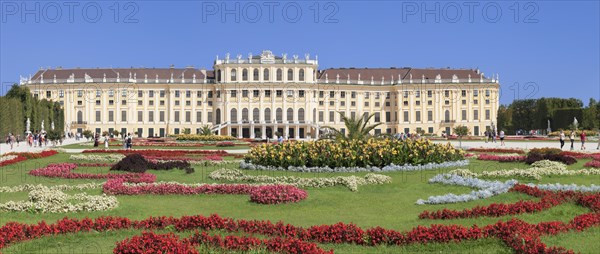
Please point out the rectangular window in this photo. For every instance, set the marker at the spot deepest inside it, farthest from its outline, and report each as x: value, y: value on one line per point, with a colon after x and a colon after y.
x: 188, y: 116
x: 446, y: 93
x: 406, y: 120
x: 377, y: 117
x: 79, y: 93
x: 353, y: 103
x: 320, y: 103
x: 377, y: 104
x: 475, y: 114
x: 464, y: 115
x: 267, y: 93
x: 176, y: 118
x: 430, y: 116
x: 429, y: 93
x: 210, y: 103
x: 388, y: 116
x: 151, y: 116
x: 418, y: 94
x: 111, y: 102
x: 140, y: 116
x: 377, y: 95
x: 367, y: 95
x: 331, y: 116
x: 301, y: 93
x: 188, y: 103
x: 177, y: 93
x: 98, y: 116
x: 290, y: 93
x: 199, y: 94
x: 475, y: 101
x: 366, y: 103
x: 429, y: 102
x: 406, y: 94
x: 487, y: 93
x: 188, y: 94
x: 140, y: 102
x: 463, y: 93
x: 353, y: 95
x: 331, y: 94
x: 487, y: 101
x: 321, y: 94
x: 475, y: 93
x: 210, y: 94
x: 111, y: 116
x: 123, y: 93
x: 97, y: 102
x: 198, y: 116
x: 430, y: 130
x: 418, y: 103
x: 331, y: 103
x: 151, y: 93
x: 124, y: 102
x: 176, y: 103
x: 255, y: 93
x: 61, y: 93
x: 464, y: 102
x: 140, y: 93
x: 418, y: 116
x: 233, y: 93
x: 278, y: 93
x: 161, y: 116
x: 150, y: 103
x: 487, y: 114
x: 209, y: 116
x: 321, y: 113
x: 342, y: 103
x: 198, y: 103
x: 342, y: 94
x: 161, y: 93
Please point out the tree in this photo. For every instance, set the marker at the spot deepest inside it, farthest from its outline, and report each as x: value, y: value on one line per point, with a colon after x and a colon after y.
x: 54, y: 136
x: 523, y: 114
x: 205, y: 130
x: 590, y: 119
x: 116, y: 133
x: 355, y: 128
x: 87, y: 134
x: 505, y: 118
x: 461, y: 131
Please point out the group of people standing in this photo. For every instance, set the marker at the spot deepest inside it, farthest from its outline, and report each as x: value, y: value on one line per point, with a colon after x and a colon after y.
x: 36, y: 139
x: 582, y: 138
x: 490, y: 136
x: 127, y: 140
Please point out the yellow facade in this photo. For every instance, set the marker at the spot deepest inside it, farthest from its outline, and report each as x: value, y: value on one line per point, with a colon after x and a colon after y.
x: 256, y: 97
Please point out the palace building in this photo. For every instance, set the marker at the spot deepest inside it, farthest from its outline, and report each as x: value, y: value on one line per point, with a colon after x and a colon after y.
x: 261, y: 95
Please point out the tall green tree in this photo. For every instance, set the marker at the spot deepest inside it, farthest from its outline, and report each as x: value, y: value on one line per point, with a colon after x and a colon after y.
x: 355, y: 128
x: 524, y: 114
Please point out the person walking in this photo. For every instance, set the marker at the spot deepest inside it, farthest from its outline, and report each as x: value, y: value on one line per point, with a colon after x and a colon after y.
x: 96, y: 136
x: 105, y: 142
x: 572, y: 138
x: 561, y: 137
x: 11, y: 140
x: 129, y: 141
x: 502, y: 138
x: 486, y: 136
x: 582, y: 137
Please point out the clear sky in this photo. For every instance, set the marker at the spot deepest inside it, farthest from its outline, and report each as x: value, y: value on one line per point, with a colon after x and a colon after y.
x: 539, y: 49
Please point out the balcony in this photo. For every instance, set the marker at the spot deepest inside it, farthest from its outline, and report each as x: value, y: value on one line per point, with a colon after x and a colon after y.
x: 447, y: 121
x: 78, y: 123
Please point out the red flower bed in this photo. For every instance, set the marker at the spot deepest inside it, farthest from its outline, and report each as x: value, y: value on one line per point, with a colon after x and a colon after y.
x: 13, y: 161
x: 149, y: 242
x: 277, y: 194
x: 42, y: 154
x: 64, y: 170
x: 162, y: 153
x: 548, y: 199
x: 519, y: 235
x: 491, y: 157
x: 225, y: 144
x: 578, y: 155
x: 592, y: 164
x: 496, y: 150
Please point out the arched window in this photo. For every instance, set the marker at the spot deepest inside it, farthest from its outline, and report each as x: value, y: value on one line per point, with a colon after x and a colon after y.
x: 219, y: 75
x: 256, y: 115
x: 301, y: 115
x: 290, y: 75
x: 447, y: 116
x: 279, y: 75
x: 290, y: 115
x: 79, y: 117
x: 268, y: 115
x: 301, y: 75
x: 218, y: 116
x: 279, y: 115
x: 233, y: 75
x: 233, y: 115
x: 245, y: 75
x: 255, y: 75
x: 266, y: 75
x: 245, y: 115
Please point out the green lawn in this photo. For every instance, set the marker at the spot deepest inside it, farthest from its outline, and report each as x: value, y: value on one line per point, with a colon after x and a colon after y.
x: 390, y: 206
x: 88, y: 145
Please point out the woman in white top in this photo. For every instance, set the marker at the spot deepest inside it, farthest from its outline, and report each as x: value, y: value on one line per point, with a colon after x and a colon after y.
x: 572, y: 138
x: 502, y: 138
x: 562, y: 139
x: 106, y: 142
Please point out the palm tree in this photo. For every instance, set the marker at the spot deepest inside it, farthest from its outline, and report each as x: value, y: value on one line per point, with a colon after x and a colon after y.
x: 205, y: 130
x: 355, y: 128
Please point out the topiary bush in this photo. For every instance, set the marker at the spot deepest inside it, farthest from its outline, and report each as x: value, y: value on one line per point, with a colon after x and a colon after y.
x: 553, y: 154
x: 136, y: 163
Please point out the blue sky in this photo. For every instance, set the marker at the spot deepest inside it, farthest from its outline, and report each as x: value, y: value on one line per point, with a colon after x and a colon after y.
x: 545, y: 49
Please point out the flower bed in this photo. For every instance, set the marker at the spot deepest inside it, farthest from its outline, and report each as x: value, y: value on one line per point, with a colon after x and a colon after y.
x: 119, y: 186
x: 10, y: 159
x: 501, y: 158
x: 352, y: 182
x: 43, y: 199
x: 519, y: 235
x: 486, y: 189
x: 548, y: 199
x: 388, y: 168
x: 538, y: 169
x: 497, y: 150
x: 578, y: 155
x: 149, y: 242
x: 277, y: 194
x: 353, y: 153
x: 64, y: 170
x: 36, y: 155
x: 167, y: 153
x: 225, y: 144
x: 193, y: 137
x: 592, y: 164
x: 97, y: 158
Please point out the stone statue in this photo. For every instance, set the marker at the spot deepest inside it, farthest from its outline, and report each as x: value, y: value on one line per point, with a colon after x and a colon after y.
x: 549, y: 129
x: 42, y: 125
x: 52, y: 125
x: 575, y: 122
x: 28, y: 130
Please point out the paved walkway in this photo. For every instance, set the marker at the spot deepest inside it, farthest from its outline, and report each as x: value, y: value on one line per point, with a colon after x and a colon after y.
x: 23, y: 147
x: 590, y: 145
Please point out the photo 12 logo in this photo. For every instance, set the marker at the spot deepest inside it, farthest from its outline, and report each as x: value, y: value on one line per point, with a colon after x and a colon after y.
x: 271, y: 12
x: 469, y: 12
x: 69, y: 12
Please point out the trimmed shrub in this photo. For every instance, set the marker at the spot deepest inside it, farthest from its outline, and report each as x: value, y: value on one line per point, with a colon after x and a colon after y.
x: 138, y: 164
x: 553, y: 154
